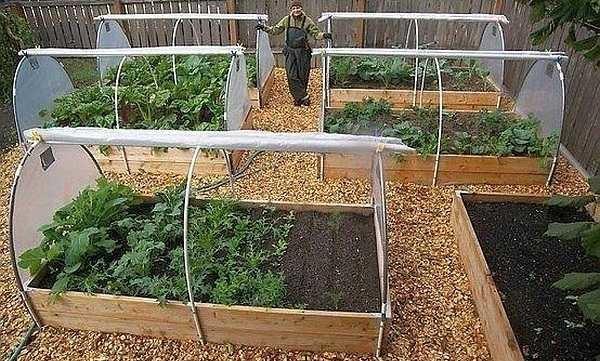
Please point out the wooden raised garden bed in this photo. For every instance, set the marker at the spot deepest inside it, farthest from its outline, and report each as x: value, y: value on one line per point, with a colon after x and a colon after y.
x: 298, y: 329
x: 466, y: 137
x: 511, y: 267
x: 403, y: 98
x: 165, y: 160
x: 257, y: 101
x: 453, y: 169
x: 466, y: 85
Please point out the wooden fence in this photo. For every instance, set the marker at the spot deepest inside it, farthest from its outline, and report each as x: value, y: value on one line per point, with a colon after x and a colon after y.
x: 581, y: 135
x: 69, y: 23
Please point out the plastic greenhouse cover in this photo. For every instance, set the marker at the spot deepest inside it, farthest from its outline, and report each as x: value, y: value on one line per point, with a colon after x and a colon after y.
x: 38, y: 81
x: 49, y: 177
x: 191, y: 16
x: 265, y: 57
x: 151, y: 51
x: 447, y: 54
x: 110, y: 35
x: 416, y: 16
x: 238, y: 101
x: 493, y: 40
x: 542, y: 95
x: 310, y: 142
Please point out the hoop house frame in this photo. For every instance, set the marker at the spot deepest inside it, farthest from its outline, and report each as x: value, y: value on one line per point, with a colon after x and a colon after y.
x: 492, y: 40
x: 265, y: 60
x: 285, y: 328
x: 236, y: 116
x: 466, y: 169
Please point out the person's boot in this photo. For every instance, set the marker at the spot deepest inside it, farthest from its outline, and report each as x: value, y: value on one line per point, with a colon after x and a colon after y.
x: 305, y: 102
x: 297, y: 103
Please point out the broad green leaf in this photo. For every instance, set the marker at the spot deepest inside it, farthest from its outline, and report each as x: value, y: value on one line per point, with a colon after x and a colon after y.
x: 591, y: 241
x: 577, y: 281
x: 574, y: 202
x: 589, y: 304
x: 594, y: 183
x: 61, y: 285
x: 73, y: 268
x: 32, y: 260
x: 567, y: 231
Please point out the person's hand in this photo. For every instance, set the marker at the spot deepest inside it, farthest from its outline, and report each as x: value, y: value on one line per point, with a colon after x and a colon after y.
x: 327, y: 36
x: 261, y: 27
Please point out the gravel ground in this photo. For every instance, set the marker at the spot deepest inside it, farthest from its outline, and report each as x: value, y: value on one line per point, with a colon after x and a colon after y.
x: 434, y: 316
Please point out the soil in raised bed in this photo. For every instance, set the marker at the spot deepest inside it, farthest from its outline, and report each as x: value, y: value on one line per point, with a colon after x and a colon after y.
x: 524, y: 264
x: 331, y: 263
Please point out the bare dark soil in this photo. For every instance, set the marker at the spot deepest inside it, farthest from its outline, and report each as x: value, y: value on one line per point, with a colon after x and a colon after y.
x: 524, y: 264
x: 331, y: 263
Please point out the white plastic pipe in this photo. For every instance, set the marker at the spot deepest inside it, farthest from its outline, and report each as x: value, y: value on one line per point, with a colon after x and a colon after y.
x: 442, y: 54
x: 190, y: 16
x: 472, y: 18
x: 155, y: 51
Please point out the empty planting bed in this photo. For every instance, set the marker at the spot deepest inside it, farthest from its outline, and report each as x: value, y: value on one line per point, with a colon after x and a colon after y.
x: 512, y: 267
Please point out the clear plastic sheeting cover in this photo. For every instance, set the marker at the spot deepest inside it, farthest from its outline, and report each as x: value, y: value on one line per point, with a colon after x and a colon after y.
x: 265, y: 58
x: 110, y: 36
x: 493, y: 40
x: 311, y: 142
x: 39, y: 80
x: 542, y: 95
x: 49, y: 178
x: 237, y: 104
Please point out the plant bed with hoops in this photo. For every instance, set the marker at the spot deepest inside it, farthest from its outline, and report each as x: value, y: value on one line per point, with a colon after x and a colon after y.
x: 476, y: 147
x: 258, y: 97
x: 287, y: 275
x: 197, y: 92
x: 520, y: 262
x: 466, y: 84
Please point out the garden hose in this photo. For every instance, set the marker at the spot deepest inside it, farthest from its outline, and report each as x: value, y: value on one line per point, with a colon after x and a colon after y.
x: 240, y: 173
x: 24, y: 342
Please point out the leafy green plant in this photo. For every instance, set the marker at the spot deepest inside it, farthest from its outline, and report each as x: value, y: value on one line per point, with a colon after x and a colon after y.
x: 588, y: 233
x: 15, y: 35
x: 553, y: 15
x: 334, y: 298
x: 149, y: 97
x: 484, y: 133
x: 107, y: 241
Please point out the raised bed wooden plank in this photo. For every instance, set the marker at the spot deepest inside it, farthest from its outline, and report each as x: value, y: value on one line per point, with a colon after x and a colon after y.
x: 452, y: 100
x: 453, y: 169
x: 257, y: 101
x: 502, y: 342
x: 258, y: 326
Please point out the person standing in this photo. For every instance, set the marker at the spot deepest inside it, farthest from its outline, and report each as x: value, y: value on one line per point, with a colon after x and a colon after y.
x: 297, y: 26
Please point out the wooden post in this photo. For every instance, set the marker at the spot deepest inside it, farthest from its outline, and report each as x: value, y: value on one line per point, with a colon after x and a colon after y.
x: 498, y: 6
x: 233, y: 28
x: 118, y: 7
x: 359, y: 33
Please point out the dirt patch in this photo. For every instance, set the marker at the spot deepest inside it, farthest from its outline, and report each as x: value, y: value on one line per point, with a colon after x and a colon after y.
x: 524, y: 264
x: 331, y: 263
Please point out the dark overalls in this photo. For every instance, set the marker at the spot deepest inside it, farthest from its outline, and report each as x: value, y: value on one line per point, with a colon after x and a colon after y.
x: 297, y: 54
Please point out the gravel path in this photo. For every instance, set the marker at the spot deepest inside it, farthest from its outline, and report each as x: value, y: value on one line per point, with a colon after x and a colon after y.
x: 434, y: 315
